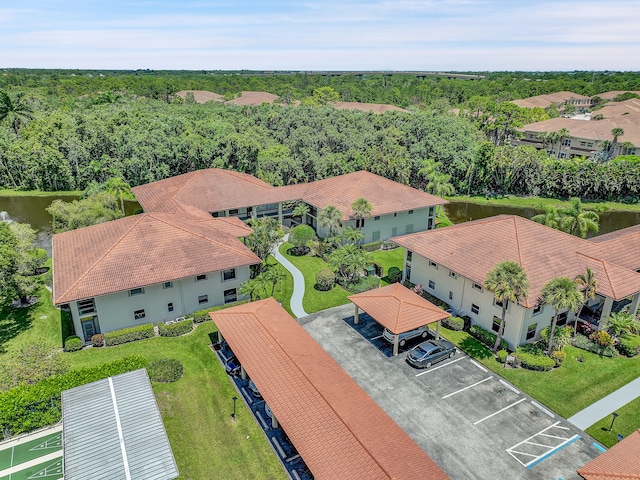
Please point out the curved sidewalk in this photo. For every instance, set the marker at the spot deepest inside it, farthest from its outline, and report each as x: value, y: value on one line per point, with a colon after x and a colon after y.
x: 607, y: 405
x: 298, y: 283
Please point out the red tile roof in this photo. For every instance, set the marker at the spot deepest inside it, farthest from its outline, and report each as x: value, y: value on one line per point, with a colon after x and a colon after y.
x: 201, y: 96
x: 472, y: 249
x: 618, y: 247
x: 339, y: 431
x: 543, y: 101
x: 216, y: 189
x: 622, y: 461
x: 397, y: 308
x: 253, y: 98
x: 143, y: 250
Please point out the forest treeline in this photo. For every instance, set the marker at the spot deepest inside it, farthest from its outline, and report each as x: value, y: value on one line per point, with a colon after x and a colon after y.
x: 65, y: 143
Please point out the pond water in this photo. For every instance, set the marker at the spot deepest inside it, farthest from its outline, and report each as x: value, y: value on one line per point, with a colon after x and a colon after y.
x: 32, y: 210
x: 459, y: 212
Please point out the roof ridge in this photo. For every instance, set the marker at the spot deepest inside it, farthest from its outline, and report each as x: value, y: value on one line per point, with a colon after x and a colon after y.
x: 192, y: 175
x: 252, y: 179
x: 604, y: 266
x: 515, y: 227
x: 361, y: 172
x: 210, y: 240
x: 313, y: 385
x: 142, y: 216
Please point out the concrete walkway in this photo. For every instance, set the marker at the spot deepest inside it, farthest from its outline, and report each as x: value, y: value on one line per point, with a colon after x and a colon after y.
x: 298, y: 282
x: 609, y: 404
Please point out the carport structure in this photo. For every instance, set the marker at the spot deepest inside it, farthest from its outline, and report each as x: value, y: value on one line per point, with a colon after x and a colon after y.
x: 398, y: 309
x: 337, y: 429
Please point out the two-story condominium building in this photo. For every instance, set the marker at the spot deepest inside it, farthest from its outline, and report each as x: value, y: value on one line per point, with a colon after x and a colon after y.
x: 396, y: 209
x: 146, y: 268
x: 585, y: 137
x: 557, y: 98
x: 452, y: 264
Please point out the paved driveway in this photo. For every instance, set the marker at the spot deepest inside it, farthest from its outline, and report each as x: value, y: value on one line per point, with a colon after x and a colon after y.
x: 471, y: 422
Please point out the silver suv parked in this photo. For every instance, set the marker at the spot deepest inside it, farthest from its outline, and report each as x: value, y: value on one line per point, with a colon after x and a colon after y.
x: 422, y: 332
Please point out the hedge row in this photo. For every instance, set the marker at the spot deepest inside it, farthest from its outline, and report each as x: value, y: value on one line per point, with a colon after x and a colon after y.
x: 29, y: 407
x: 72, y: 344
x: 580, y: 341
x: 130, y: 334
x: 175, y: 329
x: 454, y: 323
x: 486, y: 337
x: 534, y: 360
x: 372, y: 247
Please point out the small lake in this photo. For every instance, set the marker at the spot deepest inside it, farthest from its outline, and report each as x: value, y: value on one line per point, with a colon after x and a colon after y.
x: 32, y: 210
x: 459, y: 212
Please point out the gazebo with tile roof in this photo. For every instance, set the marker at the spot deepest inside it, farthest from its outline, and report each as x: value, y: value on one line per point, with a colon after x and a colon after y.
x: 398, y: 309
x: 622, y: 461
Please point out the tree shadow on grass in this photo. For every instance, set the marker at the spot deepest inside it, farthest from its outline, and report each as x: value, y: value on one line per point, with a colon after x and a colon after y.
x: 474, y: 348
x: 14, y: 321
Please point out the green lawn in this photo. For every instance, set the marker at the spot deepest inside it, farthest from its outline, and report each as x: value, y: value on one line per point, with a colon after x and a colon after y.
x: 570, y: 388
x: 314, y: 300
x: 388, y: 258
x: 196, y: 410
x: 7, y: 192
x: 627, y: 423
x: 284, y: 290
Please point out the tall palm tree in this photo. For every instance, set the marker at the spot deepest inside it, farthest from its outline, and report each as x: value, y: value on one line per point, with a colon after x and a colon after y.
x: 15, y: 109
x: 330, y: 217
x: 588, y: 285
x: 577, y: 221
x: 509, y: 283
x: 615, y: 133
x: 560, y: 135
x: 361, y: 209
x: 119, y: 188
x: 562, y: 293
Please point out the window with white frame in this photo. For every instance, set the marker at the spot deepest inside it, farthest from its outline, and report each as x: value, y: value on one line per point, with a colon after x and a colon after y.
x: 167, y: 285
x: 170, y: 307
x: 537, y: 310
x: 136, y: 291
x: 475, y: 309
x: 432, y: 284
x: 230, y: 295
x: 477, y: 286
x: 495, y: 326
x: 376, y: 218
x: 203, y: 299
x: 139, y: 314
x: 453, y: 274
x: 86, y: 306
x: 200, y: 278
x: 410, y: 212
x: 409, y: 255
x: 228, y: 274
x: 433, y: 264
x: 450, y: 295
x: 531, y: 331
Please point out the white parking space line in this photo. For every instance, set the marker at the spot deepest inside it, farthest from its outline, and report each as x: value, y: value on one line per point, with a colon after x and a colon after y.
x: 513, y: 389
x: 376, y: 338
x: 519, y: 449
x: 440, y: 366
x: 540, y: 407
x: 499, y: 411
x: 467, y: 387
x: 478, y: 365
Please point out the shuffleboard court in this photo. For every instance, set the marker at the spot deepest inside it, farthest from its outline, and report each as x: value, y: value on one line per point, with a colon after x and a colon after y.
x: 51, y: 470
x: 18, y: 453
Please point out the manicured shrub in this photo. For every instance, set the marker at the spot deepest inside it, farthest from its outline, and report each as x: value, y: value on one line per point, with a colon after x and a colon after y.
x: 97, y: 340
x: 394, y: 274
x: 362, y: 285
x: 175, y: 329
x: 325, y: 279
x: 601, y: 338
x: 200, y: 318
x: 372, y: 247
x: 130, y: 334
x: 580, y: 341
x: 454, y: 323
x: 629, y: 345
x: 502, y: 355
x: 73, y: 344
x: 165, y: 370
x: 386, y: 245
x: 558, y: 356
x: 29, y: 407
x: 486, y: 337
x: 300, y: 237
x: 534, y: 361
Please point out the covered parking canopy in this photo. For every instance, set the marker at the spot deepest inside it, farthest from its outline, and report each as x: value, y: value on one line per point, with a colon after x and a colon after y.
x: 398, y: 309
x: 337, y: 429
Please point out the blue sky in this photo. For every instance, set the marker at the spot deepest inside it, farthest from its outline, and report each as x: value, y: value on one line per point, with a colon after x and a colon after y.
x: 321, y: 35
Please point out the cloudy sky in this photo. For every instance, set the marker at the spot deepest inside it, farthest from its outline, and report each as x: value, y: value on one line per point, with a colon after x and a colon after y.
x: 460, y: 35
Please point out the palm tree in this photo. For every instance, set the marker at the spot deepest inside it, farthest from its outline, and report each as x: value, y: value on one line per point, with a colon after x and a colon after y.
x: 550, y: 217
x: 118, y: 187
x: 509, y: 283
x: 627, y: 146
x: 562, y: 293
x: 273, y: 276
x: 351, y: 235
x: 560, y: 135
x: 576, y: 221
x: 361, y: 210
x: 330, y: 217
x: 301, y: 210
x: 438, y: 183
x: 15, y: 110
x: 588, y: 285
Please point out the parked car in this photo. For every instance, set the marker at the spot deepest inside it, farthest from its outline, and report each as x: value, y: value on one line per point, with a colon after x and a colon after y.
x: 422, y: 332
x: 430, y: 352
x: 254, y: 389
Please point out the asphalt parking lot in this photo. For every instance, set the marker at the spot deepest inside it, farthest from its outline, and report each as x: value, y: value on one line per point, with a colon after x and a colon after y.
x: 471, y: 422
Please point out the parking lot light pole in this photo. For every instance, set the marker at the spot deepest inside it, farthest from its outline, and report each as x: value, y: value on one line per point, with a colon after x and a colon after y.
x: 614, y: 415
x: 233, y: 415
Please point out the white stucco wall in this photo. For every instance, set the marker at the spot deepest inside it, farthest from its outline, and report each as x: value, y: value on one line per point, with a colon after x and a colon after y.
x: 464, y: 295
x: 116, y: 310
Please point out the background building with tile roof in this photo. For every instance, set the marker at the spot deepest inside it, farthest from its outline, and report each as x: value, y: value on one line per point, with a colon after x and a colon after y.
x: 452, y: 264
